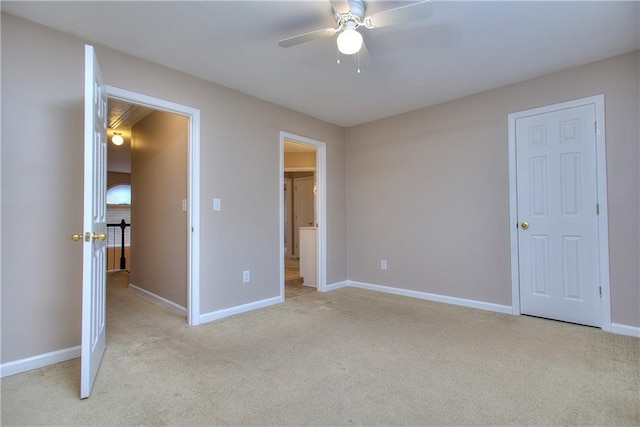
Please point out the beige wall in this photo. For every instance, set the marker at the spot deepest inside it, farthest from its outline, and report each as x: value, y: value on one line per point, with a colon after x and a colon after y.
x: 428, y: 190
x: 115, y: 178
x: 42, y: 94
x: 300, y: 160
x: 159, y: 183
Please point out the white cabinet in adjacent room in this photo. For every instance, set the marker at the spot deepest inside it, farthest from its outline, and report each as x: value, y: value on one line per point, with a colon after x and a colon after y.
x: 308, y: 255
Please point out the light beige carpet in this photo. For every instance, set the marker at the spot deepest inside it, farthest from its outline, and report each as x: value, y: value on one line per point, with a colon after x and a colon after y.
x: 348, y: 357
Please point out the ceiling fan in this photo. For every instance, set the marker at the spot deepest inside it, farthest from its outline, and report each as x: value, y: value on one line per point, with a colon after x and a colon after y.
x: 349, y: 39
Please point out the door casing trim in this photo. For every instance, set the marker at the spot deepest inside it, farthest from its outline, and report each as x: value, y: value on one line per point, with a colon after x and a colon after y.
x: 603, y: 221
x: 193, y: 222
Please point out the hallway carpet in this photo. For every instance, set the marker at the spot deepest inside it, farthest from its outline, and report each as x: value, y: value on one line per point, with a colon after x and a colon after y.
x: 292, y: 271
x: 293, y: 282
x: 347, y: 357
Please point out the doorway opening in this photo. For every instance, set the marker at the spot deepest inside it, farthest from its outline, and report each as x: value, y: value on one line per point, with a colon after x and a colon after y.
x: 147, y: 155
x: 164, y: 177
x: 302, y: 215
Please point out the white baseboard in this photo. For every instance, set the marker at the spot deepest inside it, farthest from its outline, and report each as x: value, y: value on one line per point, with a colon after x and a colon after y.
x: 489, y: 306
x: 215, y: 315
x: 178, y: 309
x: 337, y: 285
x: 632, y: 331
x: 39, y: 361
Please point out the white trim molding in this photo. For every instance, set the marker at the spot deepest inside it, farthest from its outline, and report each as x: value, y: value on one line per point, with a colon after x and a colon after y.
x: 631, y: 331
x: 193, y: 221
x: 482, y: 305
x: 226, y: 312
x: 172, y: 306
x: 39, y: 361
x: 337, y: 285
x: 603, y: 222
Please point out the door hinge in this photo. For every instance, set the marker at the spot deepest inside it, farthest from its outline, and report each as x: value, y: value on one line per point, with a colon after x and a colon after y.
x: 597, y: 208
x: 595, y: 127
x: 600, y: 290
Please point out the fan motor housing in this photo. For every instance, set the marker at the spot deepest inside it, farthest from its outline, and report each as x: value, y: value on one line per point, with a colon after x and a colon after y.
x: 357, y: 8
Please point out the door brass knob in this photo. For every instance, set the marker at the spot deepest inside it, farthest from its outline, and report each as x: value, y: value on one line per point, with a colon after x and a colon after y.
x: 524, y: 225
x: 99, y: 236
x: 77, y: 237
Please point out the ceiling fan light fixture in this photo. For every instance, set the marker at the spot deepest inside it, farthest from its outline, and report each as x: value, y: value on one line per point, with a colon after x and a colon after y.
x: 349, y: 41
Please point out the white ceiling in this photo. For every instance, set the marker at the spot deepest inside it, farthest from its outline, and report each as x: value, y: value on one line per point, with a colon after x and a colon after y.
x: 125, y: 114
x: 465, y: 48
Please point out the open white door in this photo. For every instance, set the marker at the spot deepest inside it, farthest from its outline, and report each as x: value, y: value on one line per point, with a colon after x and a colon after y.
x: 94, y: 253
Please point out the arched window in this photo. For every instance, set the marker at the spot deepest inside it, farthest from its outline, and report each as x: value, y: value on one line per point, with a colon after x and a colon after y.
x: 119, y: 195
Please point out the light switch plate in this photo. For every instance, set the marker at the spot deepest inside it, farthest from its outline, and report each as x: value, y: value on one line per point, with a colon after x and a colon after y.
x: 184, y: 205
x: 217, y: 204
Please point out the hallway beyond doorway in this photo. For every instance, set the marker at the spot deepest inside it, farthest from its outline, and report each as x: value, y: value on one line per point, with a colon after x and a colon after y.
x: 293, y: 286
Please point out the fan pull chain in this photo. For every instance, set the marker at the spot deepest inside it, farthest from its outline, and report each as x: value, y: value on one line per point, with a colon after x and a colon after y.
x: 338, y: 57
x: 358, y: 62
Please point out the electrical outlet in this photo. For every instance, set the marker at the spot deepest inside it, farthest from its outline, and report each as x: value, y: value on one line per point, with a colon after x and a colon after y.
x: 383, y: 264
x: 246, y: 276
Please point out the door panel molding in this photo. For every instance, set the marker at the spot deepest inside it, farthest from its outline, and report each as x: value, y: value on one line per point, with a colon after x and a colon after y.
x: 601, y: 184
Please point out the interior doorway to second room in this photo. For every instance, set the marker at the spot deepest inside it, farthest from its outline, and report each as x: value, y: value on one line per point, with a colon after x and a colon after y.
x: 300, y: 218
x: 147, y: 186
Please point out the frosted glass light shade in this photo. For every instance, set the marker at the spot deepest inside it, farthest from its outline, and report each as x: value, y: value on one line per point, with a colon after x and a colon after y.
x: 117, y: 139
x: 349, y: 42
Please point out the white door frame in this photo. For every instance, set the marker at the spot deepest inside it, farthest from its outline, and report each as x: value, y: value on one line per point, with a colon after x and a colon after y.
x: 603, y: 228
x: 193, y: 195
x: 321, y: 207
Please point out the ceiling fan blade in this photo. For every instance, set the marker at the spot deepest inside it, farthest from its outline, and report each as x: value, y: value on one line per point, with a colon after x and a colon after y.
x: 340, y: 6
x: 400, y: 15
x: 335, y: 13
x: 306, y: 37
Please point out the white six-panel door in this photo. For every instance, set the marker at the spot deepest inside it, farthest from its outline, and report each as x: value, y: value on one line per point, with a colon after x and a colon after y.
x: 557, y: 215
x: 94, y: 253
